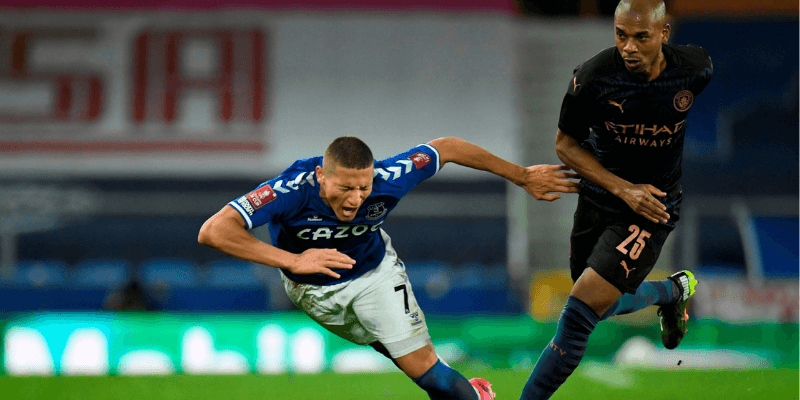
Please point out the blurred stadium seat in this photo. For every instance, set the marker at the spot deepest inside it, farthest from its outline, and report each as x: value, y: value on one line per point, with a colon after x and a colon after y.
x: 471, y: 288
x: 46, y: 285
x: 204, y: 298
x: 233, y: 274
x: 101, y: 273
x: 169, y: 272
x: 40, y: 273
x: 180, y: 285
x: 432, y: 277
x: 480, y: 275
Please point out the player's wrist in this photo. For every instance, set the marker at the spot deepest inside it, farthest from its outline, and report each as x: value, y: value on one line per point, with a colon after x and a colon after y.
x: 617, y: 190
x: 283, y: 260
x: 519, y: 176
x: 292, y: 263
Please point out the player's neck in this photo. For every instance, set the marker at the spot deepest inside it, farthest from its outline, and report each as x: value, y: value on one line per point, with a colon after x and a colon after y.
x: 659, y: 65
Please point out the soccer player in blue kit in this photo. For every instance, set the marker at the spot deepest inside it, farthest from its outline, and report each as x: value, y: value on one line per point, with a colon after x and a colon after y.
x: 622, y: 127
x: 339, y: 266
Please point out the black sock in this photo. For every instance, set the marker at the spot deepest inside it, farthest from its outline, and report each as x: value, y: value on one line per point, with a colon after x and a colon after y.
x: 444, y: 383
x: 647, y: 294
x: 560, y: 358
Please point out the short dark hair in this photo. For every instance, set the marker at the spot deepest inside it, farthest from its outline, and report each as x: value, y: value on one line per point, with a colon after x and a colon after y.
x: 349, y: 152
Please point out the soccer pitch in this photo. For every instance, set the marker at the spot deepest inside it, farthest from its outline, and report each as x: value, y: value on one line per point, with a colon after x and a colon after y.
x: 591, y: 380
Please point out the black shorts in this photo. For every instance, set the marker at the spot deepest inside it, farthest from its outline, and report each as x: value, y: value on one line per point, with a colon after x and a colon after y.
x: 621, y: 246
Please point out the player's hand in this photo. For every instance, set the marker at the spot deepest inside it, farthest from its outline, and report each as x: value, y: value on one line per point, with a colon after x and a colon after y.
x: 321, y: 261
x: 541, y: 180
x: 640, y: 198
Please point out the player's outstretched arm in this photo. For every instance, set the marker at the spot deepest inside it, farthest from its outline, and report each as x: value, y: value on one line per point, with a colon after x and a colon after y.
x: 640, y: 198
x: 225, y: 231
x: 538, y: 180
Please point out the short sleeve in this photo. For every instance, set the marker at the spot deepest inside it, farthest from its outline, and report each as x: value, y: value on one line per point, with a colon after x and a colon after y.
x: 705, y: 75
x: 574, y: 119
x: 701, y: 66
x: 272, y: 199
x: 402, y: 172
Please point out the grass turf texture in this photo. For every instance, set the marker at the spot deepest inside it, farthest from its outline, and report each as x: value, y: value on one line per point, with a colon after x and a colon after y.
x: 598, y: 383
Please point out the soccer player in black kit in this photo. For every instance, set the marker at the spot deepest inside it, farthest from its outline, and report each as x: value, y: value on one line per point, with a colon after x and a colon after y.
x: 622, y: 128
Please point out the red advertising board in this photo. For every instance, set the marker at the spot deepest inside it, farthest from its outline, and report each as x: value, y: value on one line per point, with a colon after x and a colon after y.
x: 64, y: 90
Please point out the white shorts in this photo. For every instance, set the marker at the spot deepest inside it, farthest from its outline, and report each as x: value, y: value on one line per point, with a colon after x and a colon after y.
x: 377, y: 306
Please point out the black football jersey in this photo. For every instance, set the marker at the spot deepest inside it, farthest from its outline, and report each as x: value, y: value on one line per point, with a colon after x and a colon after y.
x: 634, y: 128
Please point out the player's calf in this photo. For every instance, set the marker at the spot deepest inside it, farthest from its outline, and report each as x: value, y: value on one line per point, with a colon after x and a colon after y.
x: 444, y: 383
x: 564, y: 352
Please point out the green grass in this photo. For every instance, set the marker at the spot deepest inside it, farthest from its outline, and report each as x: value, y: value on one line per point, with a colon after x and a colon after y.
x: 591, y: 381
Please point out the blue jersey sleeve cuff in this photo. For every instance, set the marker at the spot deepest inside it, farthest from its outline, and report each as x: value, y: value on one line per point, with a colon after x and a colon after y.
x: 243, y: 213
x: 435, y: 152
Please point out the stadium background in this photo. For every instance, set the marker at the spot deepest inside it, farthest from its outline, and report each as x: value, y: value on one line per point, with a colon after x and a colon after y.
x: 122, y: 128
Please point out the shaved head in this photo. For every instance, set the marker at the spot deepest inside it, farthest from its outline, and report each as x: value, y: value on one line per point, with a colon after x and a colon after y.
x: 654, y: 10
x: 641, y: 28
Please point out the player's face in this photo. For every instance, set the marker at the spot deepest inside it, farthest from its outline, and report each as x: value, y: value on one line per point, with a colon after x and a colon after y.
x: 345, y: 189
x: 639, y: 39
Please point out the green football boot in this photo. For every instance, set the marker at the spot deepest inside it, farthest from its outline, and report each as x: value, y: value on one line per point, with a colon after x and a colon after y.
x: 674, y: 316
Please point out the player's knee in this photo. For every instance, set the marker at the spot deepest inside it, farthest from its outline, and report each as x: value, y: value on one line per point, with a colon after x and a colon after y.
x: 595, y: 291
x: 418, y: 362
x: 380, y: 348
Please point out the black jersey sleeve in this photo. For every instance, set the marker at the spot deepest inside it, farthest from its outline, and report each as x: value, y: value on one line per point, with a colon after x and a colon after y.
x: 698, y: 59
x: 574, y: 119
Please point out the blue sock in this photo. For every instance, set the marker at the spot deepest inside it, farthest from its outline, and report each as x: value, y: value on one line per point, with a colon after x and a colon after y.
x: 560, y: 358
x: 647, y: 294
x: 444, y: 383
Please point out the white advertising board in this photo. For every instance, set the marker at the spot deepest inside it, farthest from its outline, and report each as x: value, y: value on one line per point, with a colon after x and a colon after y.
x: 239, y: 93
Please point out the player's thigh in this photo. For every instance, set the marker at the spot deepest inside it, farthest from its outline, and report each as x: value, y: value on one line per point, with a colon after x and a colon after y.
x: 329, y: 307
x: 389, y: 311
x: 587, y: 228
x: 627, y: 251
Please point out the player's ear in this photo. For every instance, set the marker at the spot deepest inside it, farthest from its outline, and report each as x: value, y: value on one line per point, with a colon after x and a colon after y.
x: 320, y: 175
x: 665, y: 33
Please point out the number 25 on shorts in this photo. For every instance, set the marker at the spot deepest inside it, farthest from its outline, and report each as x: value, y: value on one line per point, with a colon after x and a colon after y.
x: 640, y: 235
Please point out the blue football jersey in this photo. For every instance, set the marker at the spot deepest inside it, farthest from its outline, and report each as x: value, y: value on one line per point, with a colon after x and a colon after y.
x: 299, y: 219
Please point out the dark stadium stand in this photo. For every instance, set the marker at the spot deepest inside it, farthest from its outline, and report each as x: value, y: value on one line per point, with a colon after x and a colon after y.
x: 743, y: 142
